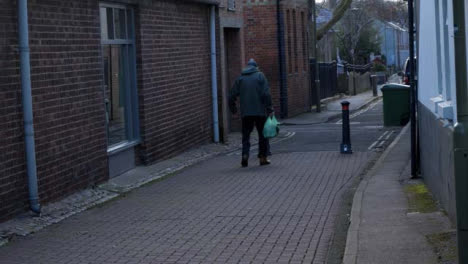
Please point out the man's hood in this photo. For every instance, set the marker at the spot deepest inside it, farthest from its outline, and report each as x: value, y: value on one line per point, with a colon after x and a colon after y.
x: 249, y: 70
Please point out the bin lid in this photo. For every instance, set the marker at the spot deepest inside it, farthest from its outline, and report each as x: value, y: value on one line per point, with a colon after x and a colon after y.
x: 395, y: 86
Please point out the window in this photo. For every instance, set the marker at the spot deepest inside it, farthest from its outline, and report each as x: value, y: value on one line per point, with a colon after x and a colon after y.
x: 295, y: 41
x: 445, y: 44
x: 232, y: 5
x: 443, y: 105
x: 118, y: 53
x: 438, y: 44
x: 288, y: 22
x: 449, y: 50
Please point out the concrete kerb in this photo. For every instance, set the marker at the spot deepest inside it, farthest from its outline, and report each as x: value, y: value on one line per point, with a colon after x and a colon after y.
x: 54, y: 213
x: 336, y: 115
x: 352, y: 240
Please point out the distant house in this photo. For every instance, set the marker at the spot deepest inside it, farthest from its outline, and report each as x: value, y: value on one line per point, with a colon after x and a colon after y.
x: 326, y: 47
x: 395, y: 43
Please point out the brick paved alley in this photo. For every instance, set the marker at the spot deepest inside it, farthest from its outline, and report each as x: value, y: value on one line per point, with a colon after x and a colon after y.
x: 213, y: 212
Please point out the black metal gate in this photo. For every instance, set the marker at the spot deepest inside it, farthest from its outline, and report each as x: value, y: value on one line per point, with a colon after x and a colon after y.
x: 328, y: 80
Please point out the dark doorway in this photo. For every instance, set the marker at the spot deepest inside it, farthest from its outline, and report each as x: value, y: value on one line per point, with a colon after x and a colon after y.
x: 232, y: 45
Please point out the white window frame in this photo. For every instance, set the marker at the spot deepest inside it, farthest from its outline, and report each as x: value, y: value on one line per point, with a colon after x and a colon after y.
x: 231, y: 5
x: 443, y: 104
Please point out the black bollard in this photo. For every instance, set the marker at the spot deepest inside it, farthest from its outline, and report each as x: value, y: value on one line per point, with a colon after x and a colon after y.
x: 345, y: 147
x: 374, y: 84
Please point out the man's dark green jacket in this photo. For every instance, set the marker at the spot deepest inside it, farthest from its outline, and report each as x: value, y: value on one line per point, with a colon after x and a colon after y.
x: 254, y: 92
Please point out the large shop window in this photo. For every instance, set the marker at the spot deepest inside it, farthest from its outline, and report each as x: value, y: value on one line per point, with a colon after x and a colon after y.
x: 118, y: 52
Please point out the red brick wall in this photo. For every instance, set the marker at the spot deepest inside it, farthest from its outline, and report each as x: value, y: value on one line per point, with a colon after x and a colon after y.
x: 69, y: 114
x: 69, y: 117
x: 174, y: 80
x: 234, y: 64
x: 298, y: 91
x: 13, y: 185
x: 261, y: 43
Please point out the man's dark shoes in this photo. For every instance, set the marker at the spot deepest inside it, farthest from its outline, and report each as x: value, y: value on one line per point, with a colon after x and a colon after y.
x: 264, y: 161
x: 245, y: 161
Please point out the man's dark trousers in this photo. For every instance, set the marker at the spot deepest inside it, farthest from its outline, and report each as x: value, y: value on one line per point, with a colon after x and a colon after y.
x: 248, y: 123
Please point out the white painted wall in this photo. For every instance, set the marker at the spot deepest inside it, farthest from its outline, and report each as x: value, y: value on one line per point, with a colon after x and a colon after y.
x: 436, y: 58
x: 427, y: 59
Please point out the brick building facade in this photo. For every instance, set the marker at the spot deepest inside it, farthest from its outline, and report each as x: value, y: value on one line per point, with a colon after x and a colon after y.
x: 263, y: 34
x: 174, y: 78
x: 13, y: 186
x: 82, y: 53
x: 66, y: 79
x: 231, y: 59
x: 122, y: 83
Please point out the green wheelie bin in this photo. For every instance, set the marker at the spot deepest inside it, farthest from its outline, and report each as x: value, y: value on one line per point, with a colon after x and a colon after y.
x: 396, y: 104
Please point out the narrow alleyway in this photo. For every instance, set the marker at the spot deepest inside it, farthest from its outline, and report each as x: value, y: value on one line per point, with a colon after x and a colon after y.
x: 218, y: 212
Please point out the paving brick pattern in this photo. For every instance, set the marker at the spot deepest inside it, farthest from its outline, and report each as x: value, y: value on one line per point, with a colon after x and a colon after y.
x: 213, y: 212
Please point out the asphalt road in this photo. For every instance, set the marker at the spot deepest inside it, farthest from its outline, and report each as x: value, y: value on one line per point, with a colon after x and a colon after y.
x: 367, y: 133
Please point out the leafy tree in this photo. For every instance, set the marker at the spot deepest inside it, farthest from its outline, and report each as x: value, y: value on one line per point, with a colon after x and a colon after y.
x: 355, y: 35
x: 348, y: 33
x: 357, y: 50
x: 378, y: 67
x: 369, y: 42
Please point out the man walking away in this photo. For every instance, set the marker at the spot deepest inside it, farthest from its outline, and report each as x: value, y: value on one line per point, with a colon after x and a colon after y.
x: 255, y: 105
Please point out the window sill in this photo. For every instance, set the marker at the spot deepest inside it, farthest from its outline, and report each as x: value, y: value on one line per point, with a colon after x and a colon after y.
x: 112, y: 150
x: 435, y: 101
x: 446, y: 110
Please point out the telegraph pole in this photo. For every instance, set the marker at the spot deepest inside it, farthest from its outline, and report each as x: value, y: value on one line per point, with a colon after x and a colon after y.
x: 460, y: 135
x: 413, y: 99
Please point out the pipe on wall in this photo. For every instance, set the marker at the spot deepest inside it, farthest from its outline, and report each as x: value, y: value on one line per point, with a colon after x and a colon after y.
x: 413, y: 97
x: 214, y: 80
x: 25, y: 73
x: 460, y: 135
x: 282, y: 59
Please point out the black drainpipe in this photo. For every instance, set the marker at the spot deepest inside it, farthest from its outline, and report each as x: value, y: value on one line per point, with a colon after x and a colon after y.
x: 282, y: 59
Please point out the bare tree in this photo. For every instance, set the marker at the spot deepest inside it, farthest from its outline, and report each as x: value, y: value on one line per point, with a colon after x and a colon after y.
x: 390, y: 11
x: 350, y: 29
x: 400, y: 13
x: 338, y: 13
